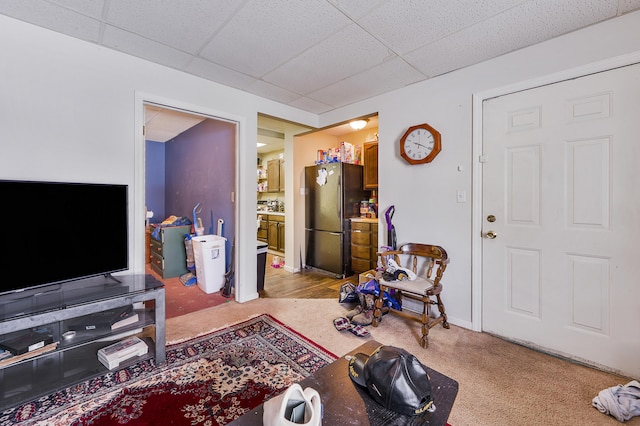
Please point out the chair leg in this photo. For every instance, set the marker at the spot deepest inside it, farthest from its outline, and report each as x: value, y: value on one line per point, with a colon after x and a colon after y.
x: 424, y: 341
x: 445, y: 323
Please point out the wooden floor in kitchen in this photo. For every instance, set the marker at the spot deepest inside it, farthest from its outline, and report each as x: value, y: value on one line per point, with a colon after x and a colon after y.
x: 308, y: 284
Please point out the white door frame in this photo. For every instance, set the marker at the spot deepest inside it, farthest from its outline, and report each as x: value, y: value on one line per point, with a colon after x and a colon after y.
x: 138, y: 196
x: 476, y: 151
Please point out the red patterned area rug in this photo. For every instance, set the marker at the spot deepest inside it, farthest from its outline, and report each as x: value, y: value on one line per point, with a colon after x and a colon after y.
x: 209, y: 380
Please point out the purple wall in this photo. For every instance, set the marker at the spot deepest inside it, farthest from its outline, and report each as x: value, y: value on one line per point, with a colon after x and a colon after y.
x: 154, y: 180
x: 200, y: 168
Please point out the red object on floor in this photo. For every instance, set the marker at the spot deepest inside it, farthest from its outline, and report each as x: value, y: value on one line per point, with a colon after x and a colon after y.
x: 181, y: 299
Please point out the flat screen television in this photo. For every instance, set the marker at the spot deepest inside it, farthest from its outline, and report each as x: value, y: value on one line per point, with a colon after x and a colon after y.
x: 55, y: 232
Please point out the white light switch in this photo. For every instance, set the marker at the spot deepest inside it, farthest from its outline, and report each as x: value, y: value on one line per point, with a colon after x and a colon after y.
x: 461, y: 196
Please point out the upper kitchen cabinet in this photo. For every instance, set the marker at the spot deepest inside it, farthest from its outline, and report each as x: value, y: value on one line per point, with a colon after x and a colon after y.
x: 275, y: 176
x: 282, y: 175
x: 370, y: 163
x: 271, y: 174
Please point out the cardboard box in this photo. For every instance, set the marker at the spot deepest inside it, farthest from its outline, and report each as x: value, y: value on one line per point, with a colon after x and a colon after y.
x: 366, y: 276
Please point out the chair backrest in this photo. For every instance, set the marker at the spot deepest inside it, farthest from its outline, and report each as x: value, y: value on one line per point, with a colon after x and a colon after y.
x: 423, y: 259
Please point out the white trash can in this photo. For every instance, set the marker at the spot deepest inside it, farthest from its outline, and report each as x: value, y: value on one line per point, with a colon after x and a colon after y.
x: 209, y: 254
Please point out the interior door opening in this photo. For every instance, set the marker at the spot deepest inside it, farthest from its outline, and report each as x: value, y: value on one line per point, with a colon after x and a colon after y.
x: 190, y: 160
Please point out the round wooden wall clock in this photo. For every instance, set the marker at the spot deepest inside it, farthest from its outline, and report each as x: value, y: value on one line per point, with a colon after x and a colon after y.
x: 420, y: 144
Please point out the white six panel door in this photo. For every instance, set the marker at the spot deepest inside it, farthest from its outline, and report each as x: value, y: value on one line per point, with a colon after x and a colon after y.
x: 562, y: 178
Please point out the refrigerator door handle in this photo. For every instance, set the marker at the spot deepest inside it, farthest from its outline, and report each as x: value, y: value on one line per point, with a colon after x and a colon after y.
x: 335, y: 233
x: 339, y: 198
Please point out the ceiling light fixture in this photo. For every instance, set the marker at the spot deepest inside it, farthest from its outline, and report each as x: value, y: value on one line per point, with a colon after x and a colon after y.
x: 358, y: 124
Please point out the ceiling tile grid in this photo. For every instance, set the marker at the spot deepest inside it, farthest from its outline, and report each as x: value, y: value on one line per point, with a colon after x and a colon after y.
x: 316, y: 55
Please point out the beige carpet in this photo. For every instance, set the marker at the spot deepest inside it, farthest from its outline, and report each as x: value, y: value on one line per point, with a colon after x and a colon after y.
x: 500, y: 383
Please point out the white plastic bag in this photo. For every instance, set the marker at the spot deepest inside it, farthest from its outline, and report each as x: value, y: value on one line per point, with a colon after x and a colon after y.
x: 294, y: 407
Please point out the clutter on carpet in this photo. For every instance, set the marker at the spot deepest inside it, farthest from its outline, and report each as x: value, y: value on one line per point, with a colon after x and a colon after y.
x: 621, y: 402
x: 362, y: 297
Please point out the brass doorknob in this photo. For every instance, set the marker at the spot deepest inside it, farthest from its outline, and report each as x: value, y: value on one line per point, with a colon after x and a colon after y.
x: 491, y: 235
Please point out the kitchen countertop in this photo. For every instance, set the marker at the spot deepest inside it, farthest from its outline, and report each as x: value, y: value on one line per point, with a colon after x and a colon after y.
x: 364, y: 219
x: 271, y: 213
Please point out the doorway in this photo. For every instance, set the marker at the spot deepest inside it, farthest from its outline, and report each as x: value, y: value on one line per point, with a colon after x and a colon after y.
x: 301, y: 150
x: 190, y: 167
x: 558, y: 218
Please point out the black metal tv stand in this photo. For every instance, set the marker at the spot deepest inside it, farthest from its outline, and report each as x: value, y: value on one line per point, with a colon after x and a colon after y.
x: 74, y: 359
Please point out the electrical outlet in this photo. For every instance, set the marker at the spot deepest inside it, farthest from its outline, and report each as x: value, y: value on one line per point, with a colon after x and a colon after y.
x: 461, y: 196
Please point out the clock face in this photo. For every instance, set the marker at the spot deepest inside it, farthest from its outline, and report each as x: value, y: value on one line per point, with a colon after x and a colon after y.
x: 420, y: 144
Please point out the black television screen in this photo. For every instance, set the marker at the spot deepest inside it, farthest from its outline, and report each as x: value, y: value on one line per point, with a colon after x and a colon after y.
x: 54, y: 232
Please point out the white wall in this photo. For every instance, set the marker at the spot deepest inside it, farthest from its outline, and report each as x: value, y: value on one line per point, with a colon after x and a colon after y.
x: 425, y: 196
x: 72, y: 111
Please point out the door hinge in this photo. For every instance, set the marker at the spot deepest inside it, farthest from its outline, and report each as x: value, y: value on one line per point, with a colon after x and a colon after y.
x: 482, y: 159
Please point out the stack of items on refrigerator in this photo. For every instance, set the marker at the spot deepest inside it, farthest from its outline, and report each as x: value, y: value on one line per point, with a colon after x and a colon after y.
x: 346, y: 153
x: 112, y: 355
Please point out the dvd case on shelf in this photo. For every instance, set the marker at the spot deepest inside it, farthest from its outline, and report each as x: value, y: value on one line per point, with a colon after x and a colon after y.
x: 111, y: 356
x: 103, y: 320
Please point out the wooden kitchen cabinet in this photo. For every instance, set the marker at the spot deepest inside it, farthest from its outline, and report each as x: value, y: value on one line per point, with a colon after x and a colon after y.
x: 276, y: 233
x: 364, y: 243
x: 281, y: 237
x: 275, y: 177
x: 263, y: 229
x: 370, y: 164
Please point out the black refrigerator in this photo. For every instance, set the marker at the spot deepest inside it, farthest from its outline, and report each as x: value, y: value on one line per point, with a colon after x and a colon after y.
x: 333, y: 195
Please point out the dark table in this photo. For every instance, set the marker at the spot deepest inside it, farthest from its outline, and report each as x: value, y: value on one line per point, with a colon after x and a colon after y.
x: 346, y: 403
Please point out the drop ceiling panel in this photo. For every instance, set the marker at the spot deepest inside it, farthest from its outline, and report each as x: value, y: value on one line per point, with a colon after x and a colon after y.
x: 92, y: 8
x: 527, y: 24
x: 54, y: 17
x: 405, y: 27
x: 265, y: 34
x: 174, y: 23
x: 374, y: 81
x: 347, y: 52
x: 629, y: 5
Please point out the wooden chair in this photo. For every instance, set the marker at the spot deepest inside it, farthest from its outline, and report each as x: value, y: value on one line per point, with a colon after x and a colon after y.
x: 428, y: 262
